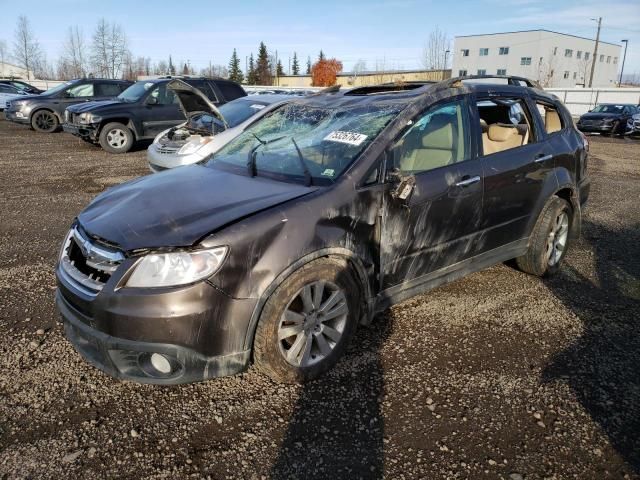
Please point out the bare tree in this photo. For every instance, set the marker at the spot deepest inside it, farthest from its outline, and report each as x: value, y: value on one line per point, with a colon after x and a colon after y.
x: 584, y: 67
x: 74, y: 58
x: 26, y: 49
x: 380, y: 70
x: 547, y: 69
x: 358, y: 67
x: 109, y: 50
x: 434, y: 54
x: 3, y: 53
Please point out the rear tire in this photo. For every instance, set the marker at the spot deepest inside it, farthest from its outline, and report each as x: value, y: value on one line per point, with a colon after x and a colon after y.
x: 116, y: 138
x: 307, y: 322
x: 44, y: 121
x: 549, y: 240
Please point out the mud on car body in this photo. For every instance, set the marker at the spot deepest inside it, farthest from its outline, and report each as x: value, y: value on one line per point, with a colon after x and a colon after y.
x: 318, y: 216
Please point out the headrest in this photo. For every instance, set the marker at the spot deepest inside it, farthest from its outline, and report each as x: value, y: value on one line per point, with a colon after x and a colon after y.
x: 552, y: 121
x: 501, y: 133
x: 440, y: 138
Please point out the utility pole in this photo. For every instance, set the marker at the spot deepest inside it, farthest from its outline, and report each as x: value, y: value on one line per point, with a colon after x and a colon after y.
x: 277, y: 79
x: 624, y: 57
x: 595, y: 52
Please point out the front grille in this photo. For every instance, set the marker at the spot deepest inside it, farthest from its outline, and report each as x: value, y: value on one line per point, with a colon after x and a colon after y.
x: 89, y: 264
x: 592, y: 123
x: 164, y: 149
x: 8, y: 105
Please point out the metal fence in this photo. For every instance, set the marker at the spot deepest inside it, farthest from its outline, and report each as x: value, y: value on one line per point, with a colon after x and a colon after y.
x: 581, y: 100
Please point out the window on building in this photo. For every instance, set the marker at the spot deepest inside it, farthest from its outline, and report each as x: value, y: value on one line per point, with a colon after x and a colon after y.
x: 575, y: 75
x: 462, y: 73
x: 501, y: 71
x: 482, y: 71
x: 579, y: 54
x: 566, y: 74
x: 568, y: 52
x: 586, y: 55
x: 555, y: 50
x: 602, y: 58
x: 504, y: 51
x: 525, y: 61
x: 615, y: 60
x: 608, y: 58
x: 465, y: 52
x: 484, y: 52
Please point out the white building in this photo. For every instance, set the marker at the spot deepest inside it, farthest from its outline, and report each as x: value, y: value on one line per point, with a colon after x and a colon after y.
x: 553, y: 59
x: 10, y: 70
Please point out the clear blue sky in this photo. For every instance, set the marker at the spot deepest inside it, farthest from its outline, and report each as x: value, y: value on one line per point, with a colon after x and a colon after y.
x: 395, y: 31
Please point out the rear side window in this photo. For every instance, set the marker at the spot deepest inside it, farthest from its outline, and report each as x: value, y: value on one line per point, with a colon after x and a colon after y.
x: 107, y: 89
x: 551, y: 118
x: 8, y: 89
x: 230, y: 91
x: 505, y: 124
x: 205, y: 88
x: 84, y: 90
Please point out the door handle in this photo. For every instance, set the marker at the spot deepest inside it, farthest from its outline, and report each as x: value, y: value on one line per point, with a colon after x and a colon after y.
x: 468, y: 181
x: 543, y: 158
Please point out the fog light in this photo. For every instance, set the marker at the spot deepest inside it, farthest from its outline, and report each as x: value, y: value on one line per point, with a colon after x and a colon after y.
x: 160, y: 363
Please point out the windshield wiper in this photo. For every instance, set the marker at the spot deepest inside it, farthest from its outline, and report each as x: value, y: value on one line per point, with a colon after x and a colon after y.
x: 303, y: 164
x: 251, y: 161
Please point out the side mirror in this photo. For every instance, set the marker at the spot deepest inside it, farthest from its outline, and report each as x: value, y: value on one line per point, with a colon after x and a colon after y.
x: 152, y: 100
x: 403, y: 185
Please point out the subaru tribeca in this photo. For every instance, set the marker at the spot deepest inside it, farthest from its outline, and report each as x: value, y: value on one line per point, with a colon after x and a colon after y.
x: 326, y: 211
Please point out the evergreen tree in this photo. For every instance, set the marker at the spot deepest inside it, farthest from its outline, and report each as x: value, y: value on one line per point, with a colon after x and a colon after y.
x: 321, y: 56
x: 295, y: 67
x: 263, y: 67
x: 185, y: 69
x: 308, y: 65
x: 235, y: 73
x: 251, y: 74
x: 172, y: 69
x: 279, y: 69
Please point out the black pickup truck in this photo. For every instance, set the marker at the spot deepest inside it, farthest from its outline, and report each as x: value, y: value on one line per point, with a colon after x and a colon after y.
x: 141, y: 112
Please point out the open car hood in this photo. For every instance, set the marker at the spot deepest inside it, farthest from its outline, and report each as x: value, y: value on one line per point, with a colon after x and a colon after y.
x: 193, y: 100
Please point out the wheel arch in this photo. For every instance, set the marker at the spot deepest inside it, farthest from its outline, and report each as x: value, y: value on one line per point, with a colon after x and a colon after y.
x: 126, y: 121
x: 39, y: 109
x: 354, y: 264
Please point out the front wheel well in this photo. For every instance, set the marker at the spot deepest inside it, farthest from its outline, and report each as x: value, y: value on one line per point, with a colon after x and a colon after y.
x: 570, y: 196
x: 123, y: 120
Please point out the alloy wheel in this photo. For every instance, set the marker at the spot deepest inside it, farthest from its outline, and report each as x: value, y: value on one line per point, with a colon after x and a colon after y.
x: 44, y: 121
x: 312, y: 323
x: 116, y: 138
x: 557, y: 239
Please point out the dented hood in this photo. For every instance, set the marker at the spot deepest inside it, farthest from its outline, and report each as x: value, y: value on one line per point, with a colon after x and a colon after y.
x: 179, y: 207
x: 193, y: 100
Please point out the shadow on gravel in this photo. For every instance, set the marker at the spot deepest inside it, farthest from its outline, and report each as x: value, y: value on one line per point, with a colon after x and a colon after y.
x: 603, y: 365
x: 336, y: 429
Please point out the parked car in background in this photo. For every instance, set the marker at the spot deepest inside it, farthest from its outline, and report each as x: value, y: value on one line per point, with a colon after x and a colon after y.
x: 607, y: 118
x: 319, y: 215
x: 200, y: 136
x: 9, y: 92
x: 22, y: 86
x: 45, y: 112
x: 141, y: 112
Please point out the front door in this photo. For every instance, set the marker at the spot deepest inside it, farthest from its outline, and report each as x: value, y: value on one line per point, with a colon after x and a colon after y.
x: 160, y: 111
x: 437, y: 224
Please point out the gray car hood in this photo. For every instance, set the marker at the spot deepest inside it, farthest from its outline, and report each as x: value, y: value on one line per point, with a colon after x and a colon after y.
x: 193, y: 101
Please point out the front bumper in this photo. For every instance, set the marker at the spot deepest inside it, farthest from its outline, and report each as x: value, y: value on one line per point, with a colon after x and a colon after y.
x: 16, y: 116
x: 84, y: 131
x: 162, y: 161
x: 595, y: 128
x: 199, y: 329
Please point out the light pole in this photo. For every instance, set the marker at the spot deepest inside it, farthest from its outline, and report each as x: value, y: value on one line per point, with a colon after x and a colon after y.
x: 624, y: 57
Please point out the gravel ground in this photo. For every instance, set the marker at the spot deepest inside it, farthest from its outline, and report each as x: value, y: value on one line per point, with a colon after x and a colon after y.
x: 498, y: 375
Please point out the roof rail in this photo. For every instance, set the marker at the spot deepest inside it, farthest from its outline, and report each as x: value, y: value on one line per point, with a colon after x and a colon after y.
x: 511, y: 80
x: 331, y: 89
x: 387, y: 88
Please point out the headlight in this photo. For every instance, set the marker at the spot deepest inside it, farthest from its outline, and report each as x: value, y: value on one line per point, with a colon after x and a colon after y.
x: 176, y: 268
x: 87, y: 118
x: 160, y: 135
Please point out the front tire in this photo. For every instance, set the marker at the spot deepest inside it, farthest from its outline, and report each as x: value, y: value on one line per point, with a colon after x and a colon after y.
x: 549, y: 240
x: 116, y: 138
x: 44, y: 121
x: 307, y: 322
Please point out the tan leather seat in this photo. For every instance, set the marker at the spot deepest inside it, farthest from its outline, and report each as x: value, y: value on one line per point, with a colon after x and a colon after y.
x: 436, y: 150
x: 502, y: 137
x: 552, y: 121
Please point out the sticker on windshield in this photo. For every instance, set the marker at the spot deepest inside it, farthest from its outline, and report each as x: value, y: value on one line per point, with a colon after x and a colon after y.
x: 257, y: 106
x: 351, y: 138
x: 328, y: 172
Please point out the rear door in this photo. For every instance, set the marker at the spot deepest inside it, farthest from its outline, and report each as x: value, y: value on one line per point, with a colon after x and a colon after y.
x: 516, y: 160
x: 437, y: 225
x: 160, y: 110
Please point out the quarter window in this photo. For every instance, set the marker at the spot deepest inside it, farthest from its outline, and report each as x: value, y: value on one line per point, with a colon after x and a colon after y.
x: 438, y: 138
x: 550, y: 117
x: 85, y: 90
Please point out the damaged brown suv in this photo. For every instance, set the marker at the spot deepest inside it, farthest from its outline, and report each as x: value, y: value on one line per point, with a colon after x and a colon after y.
x: 324, y: 212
